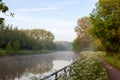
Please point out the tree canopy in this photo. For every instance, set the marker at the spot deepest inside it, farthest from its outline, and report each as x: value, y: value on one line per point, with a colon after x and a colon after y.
x: 105, y: 20
x: 40, y: 34
x: 82, y: 42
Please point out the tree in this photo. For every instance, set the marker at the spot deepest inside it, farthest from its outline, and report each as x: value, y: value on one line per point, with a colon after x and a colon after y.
x: 83, y: 26
x: 82, y: 42
x: 40, y: 34
x: 77, y: 45
x: 105, y: 20
x: 16, y: 46
x: 4, y: 9
x: 9, y: 48
x: 43, y: 37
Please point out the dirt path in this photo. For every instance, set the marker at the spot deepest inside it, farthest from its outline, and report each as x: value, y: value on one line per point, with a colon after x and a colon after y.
x: 113, y: 72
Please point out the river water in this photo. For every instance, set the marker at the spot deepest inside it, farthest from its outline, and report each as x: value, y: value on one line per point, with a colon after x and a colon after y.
x: 34, y: 66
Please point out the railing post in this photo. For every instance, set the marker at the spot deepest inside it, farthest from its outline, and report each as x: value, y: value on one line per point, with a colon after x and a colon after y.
x: 56, y: 76
x: 69, y: 69
x: 65, y: 71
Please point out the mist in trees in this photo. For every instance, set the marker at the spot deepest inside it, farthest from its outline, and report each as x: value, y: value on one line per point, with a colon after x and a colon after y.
x: 83, y: 40
x: 63, y: 45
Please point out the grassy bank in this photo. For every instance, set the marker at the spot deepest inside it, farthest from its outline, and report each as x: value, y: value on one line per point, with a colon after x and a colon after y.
x: 90, y: 68
x: 113, y: 59
x: 23, y: 52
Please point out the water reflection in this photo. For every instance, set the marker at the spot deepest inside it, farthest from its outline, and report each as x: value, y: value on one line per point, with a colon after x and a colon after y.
x: 28, y: 67
x: 59, y: 64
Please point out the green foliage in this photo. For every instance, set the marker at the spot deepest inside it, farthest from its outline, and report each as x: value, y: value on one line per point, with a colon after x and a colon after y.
x: 40, y: 34
x: 113, y: 59
x: 2, y: 52
x: 43, y: 37
x: 21, y: 40
x: 16, y: 46
x: 77, y: 45
x: 88, y: 68
x: 9, y: 48
x: 105, y: 19
x: 1, y: 20
x: 3, y: 9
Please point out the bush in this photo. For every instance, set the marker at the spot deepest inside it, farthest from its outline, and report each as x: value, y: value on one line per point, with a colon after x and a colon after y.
x: 9, y: 48
x: 16, y: 46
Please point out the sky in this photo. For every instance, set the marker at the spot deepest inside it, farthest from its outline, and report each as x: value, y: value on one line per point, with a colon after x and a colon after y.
x: 58, y: 16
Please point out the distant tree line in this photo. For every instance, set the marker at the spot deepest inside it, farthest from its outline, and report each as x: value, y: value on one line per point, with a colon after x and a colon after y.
x: 63, y: 45
x: 13, y: 39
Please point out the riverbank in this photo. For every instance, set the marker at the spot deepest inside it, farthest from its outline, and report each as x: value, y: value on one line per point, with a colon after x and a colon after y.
x: 24, y: 52
x: 89, y: 68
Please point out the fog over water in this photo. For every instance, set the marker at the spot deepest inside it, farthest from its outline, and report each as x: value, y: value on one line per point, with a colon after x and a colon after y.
x: 34, y: 66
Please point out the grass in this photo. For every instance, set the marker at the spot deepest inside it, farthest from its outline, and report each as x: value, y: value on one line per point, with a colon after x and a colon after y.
x: 113, y: 60
x: 90, y: 68
x: 3, y: 53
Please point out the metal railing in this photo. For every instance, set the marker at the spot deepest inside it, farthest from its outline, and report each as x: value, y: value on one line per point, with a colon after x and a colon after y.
x: 67, y: 70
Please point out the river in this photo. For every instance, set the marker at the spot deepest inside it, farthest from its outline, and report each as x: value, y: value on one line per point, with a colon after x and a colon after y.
x: 30, y: 67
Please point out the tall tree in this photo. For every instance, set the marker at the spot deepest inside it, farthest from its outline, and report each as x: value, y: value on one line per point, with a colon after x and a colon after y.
x: 82, y: 42
x: 83, y: 26
x: 40, y: 34
x: 105, y: 19
x: 44, y: 37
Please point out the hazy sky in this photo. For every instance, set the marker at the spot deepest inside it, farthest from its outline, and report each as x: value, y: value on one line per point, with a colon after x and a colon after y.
x: 58, y: 16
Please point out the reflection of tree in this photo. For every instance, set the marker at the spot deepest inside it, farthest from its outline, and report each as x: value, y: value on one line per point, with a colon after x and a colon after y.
x: 40, y: 65
x: 16, y: 67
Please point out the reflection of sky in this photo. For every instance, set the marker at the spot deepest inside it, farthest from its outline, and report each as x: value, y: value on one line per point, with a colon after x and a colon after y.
x: 58, y: 64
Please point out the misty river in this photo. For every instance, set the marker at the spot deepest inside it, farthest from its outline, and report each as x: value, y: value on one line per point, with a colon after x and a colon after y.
x: 28, y: 67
